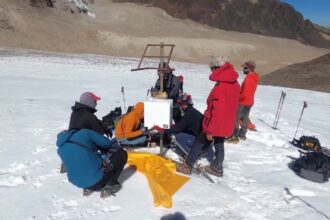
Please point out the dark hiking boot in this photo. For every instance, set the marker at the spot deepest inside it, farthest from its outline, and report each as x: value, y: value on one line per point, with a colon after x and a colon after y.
x: 232, y: 140
x: 110, y: 190
x: 183, y: 168
x: 242, y: 138
x: 62, y: 169
x: 214, y: 170
x: 87, y: 192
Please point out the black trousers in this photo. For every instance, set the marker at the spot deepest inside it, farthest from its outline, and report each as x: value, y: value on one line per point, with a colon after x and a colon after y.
x: 118, y: 160
x: 202, y: 144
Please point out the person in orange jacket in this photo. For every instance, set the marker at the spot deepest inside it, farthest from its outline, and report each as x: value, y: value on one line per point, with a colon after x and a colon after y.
x: 246, y: 101
x: 129, y: 129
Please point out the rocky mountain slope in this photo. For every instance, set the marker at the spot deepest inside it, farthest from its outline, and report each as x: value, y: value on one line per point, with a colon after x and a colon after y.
x: 265, y: 17
x: 313, y: 75
x: 123, y: 29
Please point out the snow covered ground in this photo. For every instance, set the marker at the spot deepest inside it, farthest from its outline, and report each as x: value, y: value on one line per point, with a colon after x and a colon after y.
x: 37, y: 91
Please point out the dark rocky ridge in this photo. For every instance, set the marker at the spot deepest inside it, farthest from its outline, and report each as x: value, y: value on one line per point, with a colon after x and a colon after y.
x: 265, y: 17
x: 313, y: 75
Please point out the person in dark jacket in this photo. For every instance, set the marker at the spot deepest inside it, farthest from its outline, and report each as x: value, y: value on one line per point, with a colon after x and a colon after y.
x: 83, y: 116
x: 171, y: 82
x: 188, y: 128
x: 172, y: 87
x: 219, y: 117
x: 85, y: 166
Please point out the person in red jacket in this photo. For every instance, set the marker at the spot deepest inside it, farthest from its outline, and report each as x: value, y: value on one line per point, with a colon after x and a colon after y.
x: 219, y: 117
x: 246, y: 101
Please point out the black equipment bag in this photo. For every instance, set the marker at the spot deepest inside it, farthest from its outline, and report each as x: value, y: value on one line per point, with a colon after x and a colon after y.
x: 308, y: 143
x: 110, y: 119
x: 313, y: 166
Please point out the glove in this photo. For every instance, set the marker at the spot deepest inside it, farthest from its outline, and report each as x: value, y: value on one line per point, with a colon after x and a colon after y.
x: 108, y: 132
x: 157, y: 128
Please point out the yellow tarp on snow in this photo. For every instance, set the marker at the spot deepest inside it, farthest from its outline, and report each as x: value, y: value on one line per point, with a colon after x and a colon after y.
x: 161, y: 176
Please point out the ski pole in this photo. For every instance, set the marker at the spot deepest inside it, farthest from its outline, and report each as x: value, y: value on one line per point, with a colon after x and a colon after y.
x: 304, y: 106
x: 123, y: 92
x: 279, y: 109
x: 148, y: 91
x: 306, y: 203
x: 284, y: 94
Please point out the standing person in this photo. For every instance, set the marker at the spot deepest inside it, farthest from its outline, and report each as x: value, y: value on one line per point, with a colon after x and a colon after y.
x: 246, y: 101
x: 190, y: 125
x: 219, y: 117
x: 170, y: 82
x: 129, y: 130
x: 172, y: 87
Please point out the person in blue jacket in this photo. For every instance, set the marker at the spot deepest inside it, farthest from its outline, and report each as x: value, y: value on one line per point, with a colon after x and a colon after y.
x: 85, y: 166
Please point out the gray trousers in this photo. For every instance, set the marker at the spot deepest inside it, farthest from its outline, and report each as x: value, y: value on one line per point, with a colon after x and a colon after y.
x: 243, y: 114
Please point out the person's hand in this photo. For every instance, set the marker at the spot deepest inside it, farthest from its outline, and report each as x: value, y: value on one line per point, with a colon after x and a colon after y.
x: 209, y: 137
x: 108, y: 132
x: 144, y: 130
x: 157, y: 128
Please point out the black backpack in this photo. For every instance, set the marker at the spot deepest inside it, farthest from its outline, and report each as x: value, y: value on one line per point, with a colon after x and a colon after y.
x: 309, y: 143
x: 313, y: 166
x: 110, y: 119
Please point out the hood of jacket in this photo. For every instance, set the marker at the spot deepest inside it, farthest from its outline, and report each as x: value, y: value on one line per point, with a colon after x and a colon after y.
x: 139, y: 109
x: 78, y: 106
x: 253, y: 76
x: 64, y: 136
x: 225, y: 73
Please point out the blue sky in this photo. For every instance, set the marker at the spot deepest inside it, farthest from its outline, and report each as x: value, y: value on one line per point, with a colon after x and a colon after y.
x: 318, y: 11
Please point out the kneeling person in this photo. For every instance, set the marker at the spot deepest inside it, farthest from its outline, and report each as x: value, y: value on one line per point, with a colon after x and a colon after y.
x: 188, y: 128
x: 129, y: 130
x: 85, y: 166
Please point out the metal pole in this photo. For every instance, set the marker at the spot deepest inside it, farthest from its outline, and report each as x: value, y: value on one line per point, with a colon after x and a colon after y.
x: 279, y: 109
x: 123, y: 92
x: 304, y: 106
x: 162, y: 67
x: 161, y: 141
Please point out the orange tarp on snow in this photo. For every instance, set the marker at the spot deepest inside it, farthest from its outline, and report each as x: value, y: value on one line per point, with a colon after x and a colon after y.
x: 162, y: 178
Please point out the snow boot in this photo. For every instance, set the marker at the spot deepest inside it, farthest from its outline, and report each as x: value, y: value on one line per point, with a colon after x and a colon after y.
x: 87, y: 192
x: 62, y: 169
x: 183, y: 168
x: 242, y: 138
x: 214, y: 170
x: 232, y: 140
x: 109, y: 190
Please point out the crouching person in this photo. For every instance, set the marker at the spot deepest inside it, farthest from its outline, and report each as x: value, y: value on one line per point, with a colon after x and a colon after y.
x: 129, y: 130
x: 86, y: 168
x: 187, y: 128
